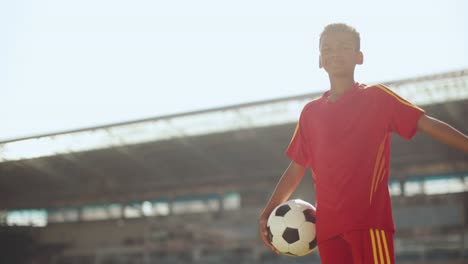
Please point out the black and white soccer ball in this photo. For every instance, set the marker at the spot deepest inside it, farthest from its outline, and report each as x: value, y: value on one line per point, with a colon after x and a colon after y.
x: 291, y: 228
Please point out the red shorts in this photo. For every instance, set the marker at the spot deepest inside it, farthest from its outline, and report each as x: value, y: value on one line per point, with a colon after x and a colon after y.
x: 367, y: 246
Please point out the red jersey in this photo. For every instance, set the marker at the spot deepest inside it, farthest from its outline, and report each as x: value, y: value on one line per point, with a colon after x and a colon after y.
x: 346, y: 144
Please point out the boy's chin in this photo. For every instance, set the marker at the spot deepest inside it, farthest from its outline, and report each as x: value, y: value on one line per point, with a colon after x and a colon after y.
x: 339, y: 72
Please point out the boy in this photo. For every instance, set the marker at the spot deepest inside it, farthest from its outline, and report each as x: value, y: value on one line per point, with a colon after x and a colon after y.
x: 344, y: 137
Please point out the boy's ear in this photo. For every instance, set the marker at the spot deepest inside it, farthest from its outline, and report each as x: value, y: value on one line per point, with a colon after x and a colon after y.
x: 360, y: 58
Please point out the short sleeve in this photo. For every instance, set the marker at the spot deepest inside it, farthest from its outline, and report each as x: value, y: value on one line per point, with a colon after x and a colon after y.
x: 297, y: 150
x: 403, y: 115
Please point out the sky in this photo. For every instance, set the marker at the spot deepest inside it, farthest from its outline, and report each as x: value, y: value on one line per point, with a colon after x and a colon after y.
x: 74, y: 64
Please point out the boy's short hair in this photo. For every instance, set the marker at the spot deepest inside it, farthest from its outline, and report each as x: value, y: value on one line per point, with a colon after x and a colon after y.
x: 342, y: 27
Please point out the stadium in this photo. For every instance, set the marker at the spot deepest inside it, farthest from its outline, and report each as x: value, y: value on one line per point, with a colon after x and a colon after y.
x: 188, y: 188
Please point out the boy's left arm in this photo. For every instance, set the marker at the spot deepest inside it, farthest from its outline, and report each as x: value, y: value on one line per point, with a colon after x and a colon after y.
x: 443, y: 132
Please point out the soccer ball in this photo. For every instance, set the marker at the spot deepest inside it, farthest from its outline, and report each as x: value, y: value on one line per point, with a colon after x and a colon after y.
x: 291, y: 228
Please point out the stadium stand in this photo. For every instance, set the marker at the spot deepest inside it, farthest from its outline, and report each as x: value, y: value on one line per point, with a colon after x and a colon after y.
x: 188, y: 188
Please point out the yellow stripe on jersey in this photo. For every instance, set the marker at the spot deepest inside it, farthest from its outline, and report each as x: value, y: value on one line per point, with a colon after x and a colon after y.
x: 396, y: 96
x: 380, y: 174
x: 374, y: 251
x: 384, y: 239
x: 376, y: 166
x: 294, y: 135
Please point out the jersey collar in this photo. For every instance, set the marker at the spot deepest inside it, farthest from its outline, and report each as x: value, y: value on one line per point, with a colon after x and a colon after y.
x: 342, y: 97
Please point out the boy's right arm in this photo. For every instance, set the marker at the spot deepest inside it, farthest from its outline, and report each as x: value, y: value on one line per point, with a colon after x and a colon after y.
x: 285, y: 187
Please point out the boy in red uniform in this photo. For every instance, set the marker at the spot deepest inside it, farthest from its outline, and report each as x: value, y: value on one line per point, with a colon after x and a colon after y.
x: 344, y: 137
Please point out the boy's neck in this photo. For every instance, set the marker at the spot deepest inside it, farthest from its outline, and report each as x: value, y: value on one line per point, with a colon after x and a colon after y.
x: 340, y: 85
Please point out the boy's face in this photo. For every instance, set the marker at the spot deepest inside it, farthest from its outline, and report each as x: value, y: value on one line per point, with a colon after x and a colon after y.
x: 339, y: 53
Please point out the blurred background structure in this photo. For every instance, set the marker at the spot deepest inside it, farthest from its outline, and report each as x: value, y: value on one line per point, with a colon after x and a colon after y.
x: 188, y: 188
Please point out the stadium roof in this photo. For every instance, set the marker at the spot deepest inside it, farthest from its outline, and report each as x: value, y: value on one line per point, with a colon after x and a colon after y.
x: 234, y: 148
